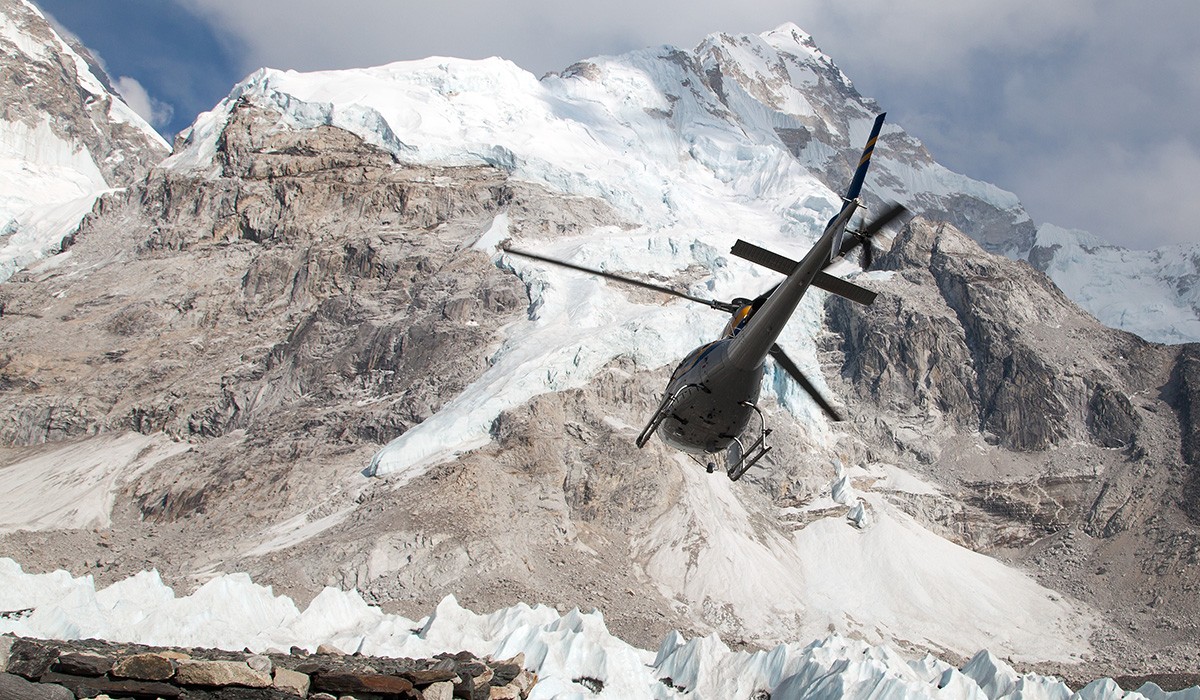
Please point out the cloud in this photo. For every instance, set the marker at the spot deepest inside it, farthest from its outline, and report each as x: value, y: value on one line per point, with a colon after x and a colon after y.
x: 1138, y: 199
x: 154, y: 111
x: 539, y: 35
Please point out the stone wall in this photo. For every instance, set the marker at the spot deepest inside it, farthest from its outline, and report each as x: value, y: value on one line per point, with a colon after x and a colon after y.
x: 34, y: 669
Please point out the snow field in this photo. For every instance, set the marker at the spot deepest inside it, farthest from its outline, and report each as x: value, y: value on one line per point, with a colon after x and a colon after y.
x: 1147, y: 292
x: 47, y: 186
x: 73, y: 485
x: 232, y: 612
x: 886, y: 580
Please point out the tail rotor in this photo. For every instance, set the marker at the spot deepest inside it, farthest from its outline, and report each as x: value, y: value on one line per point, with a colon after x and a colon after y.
x: 865, y: 236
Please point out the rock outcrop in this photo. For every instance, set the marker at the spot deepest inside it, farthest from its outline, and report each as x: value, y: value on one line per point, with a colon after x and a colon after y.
x: 985, y: 340
x: 65, y: 137
x: 1084, y: 460
x: 48, y: 81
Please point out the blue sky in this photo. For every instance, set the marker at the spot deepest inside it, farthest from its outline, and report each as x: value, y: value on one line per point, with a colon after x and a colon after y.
x: 170, y: 50
x: 1086, y: 109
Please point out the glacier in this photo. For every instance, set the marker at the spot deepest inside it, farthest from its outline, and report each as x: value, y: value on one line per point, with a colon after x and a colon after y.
x: 1153, y: 293
x: 47, y: 186
x: 230, y: 611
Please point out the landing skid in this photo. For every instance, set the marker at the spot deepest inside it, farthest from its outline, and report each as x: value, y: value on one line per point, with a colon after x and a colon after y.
x: 663, y: 411
x: 738, y: 458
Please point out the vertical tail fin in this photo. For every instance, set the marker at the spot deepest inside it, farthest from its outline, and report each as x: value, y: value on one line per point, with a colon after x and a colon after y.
x: 849, y: 202
x: 861, y: 174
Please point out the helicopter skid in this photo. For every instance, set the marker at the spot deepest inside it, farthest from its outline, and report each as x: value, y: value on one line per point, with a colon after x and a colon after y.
x: 739, y: 460
x: 661, y: 414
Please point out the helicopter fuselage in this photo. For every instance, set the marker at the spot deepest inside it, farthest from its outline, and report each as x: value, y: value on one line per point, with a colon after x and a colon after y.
x: 712, y: 395
x: 713, y: 392
x: 712, y: 400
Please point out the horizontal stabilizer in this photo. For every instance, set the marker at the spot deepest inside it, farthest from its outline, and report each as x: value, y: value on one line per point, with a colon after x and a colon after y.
x: 764, y: 257
x: 842, y: 288
x: 784, y: 266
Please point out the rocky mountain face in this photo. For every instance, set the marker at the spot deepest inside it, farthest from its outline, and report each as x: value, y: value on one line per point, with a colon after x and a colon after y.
x: 282, y: 321
x: 1070, y: 445
x: 65, y: 136
x: 47, y: 80
x: 212, y: 363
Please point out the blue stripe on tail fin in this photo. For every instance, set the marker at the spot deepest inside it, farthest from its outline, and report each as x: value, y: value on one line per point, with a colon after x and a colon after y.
x: 861, y: 174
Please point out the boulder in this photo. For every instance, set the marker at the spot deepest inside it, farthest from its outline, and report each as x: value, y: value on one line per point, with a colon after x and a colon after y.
x: 14, y: 687
x: 361, y: 683
x: 6, y: 643
x: 144, y: 667
x: 291, y: 681
x: 85, y: 687
x: 30, y: 658
x: 221, y: 673
x: 83, y: 664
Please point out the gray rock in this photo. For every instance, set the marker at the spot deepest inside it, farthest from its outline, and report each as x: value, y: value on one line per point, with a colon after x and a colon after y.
x: 260, y: 663
x: 1186, y: 381
x: 6, y: 642
x: 291, y: 681
x: 14, y: 687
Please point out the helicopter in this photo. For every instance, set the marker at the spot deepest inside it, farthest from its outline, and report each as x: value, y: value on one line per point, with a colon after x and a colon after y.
x: 712, y: 395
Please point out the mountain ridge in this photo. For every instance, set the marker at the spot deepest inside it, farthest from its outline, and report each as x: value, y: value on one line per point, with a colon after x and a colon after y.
x: 238, y: 334
x: 65, y: 138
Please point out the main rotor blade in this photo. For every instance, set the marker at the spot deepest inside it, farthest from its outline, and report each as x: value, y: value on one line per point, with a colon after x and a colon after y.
x: 719, y: 305
x: 790, y: 367
x: 884, y: 219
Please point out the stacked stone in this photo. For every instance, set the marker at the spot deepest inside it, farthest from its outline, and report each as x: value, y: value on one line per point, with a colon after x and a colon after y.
x: 34, y: 669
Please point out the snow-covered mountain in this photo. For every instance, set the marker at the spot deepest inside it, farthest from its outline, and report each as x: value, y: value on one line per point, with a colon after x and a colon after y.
x: 65, y: 137
x: 1154, y: 293
x: 315, y: 273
